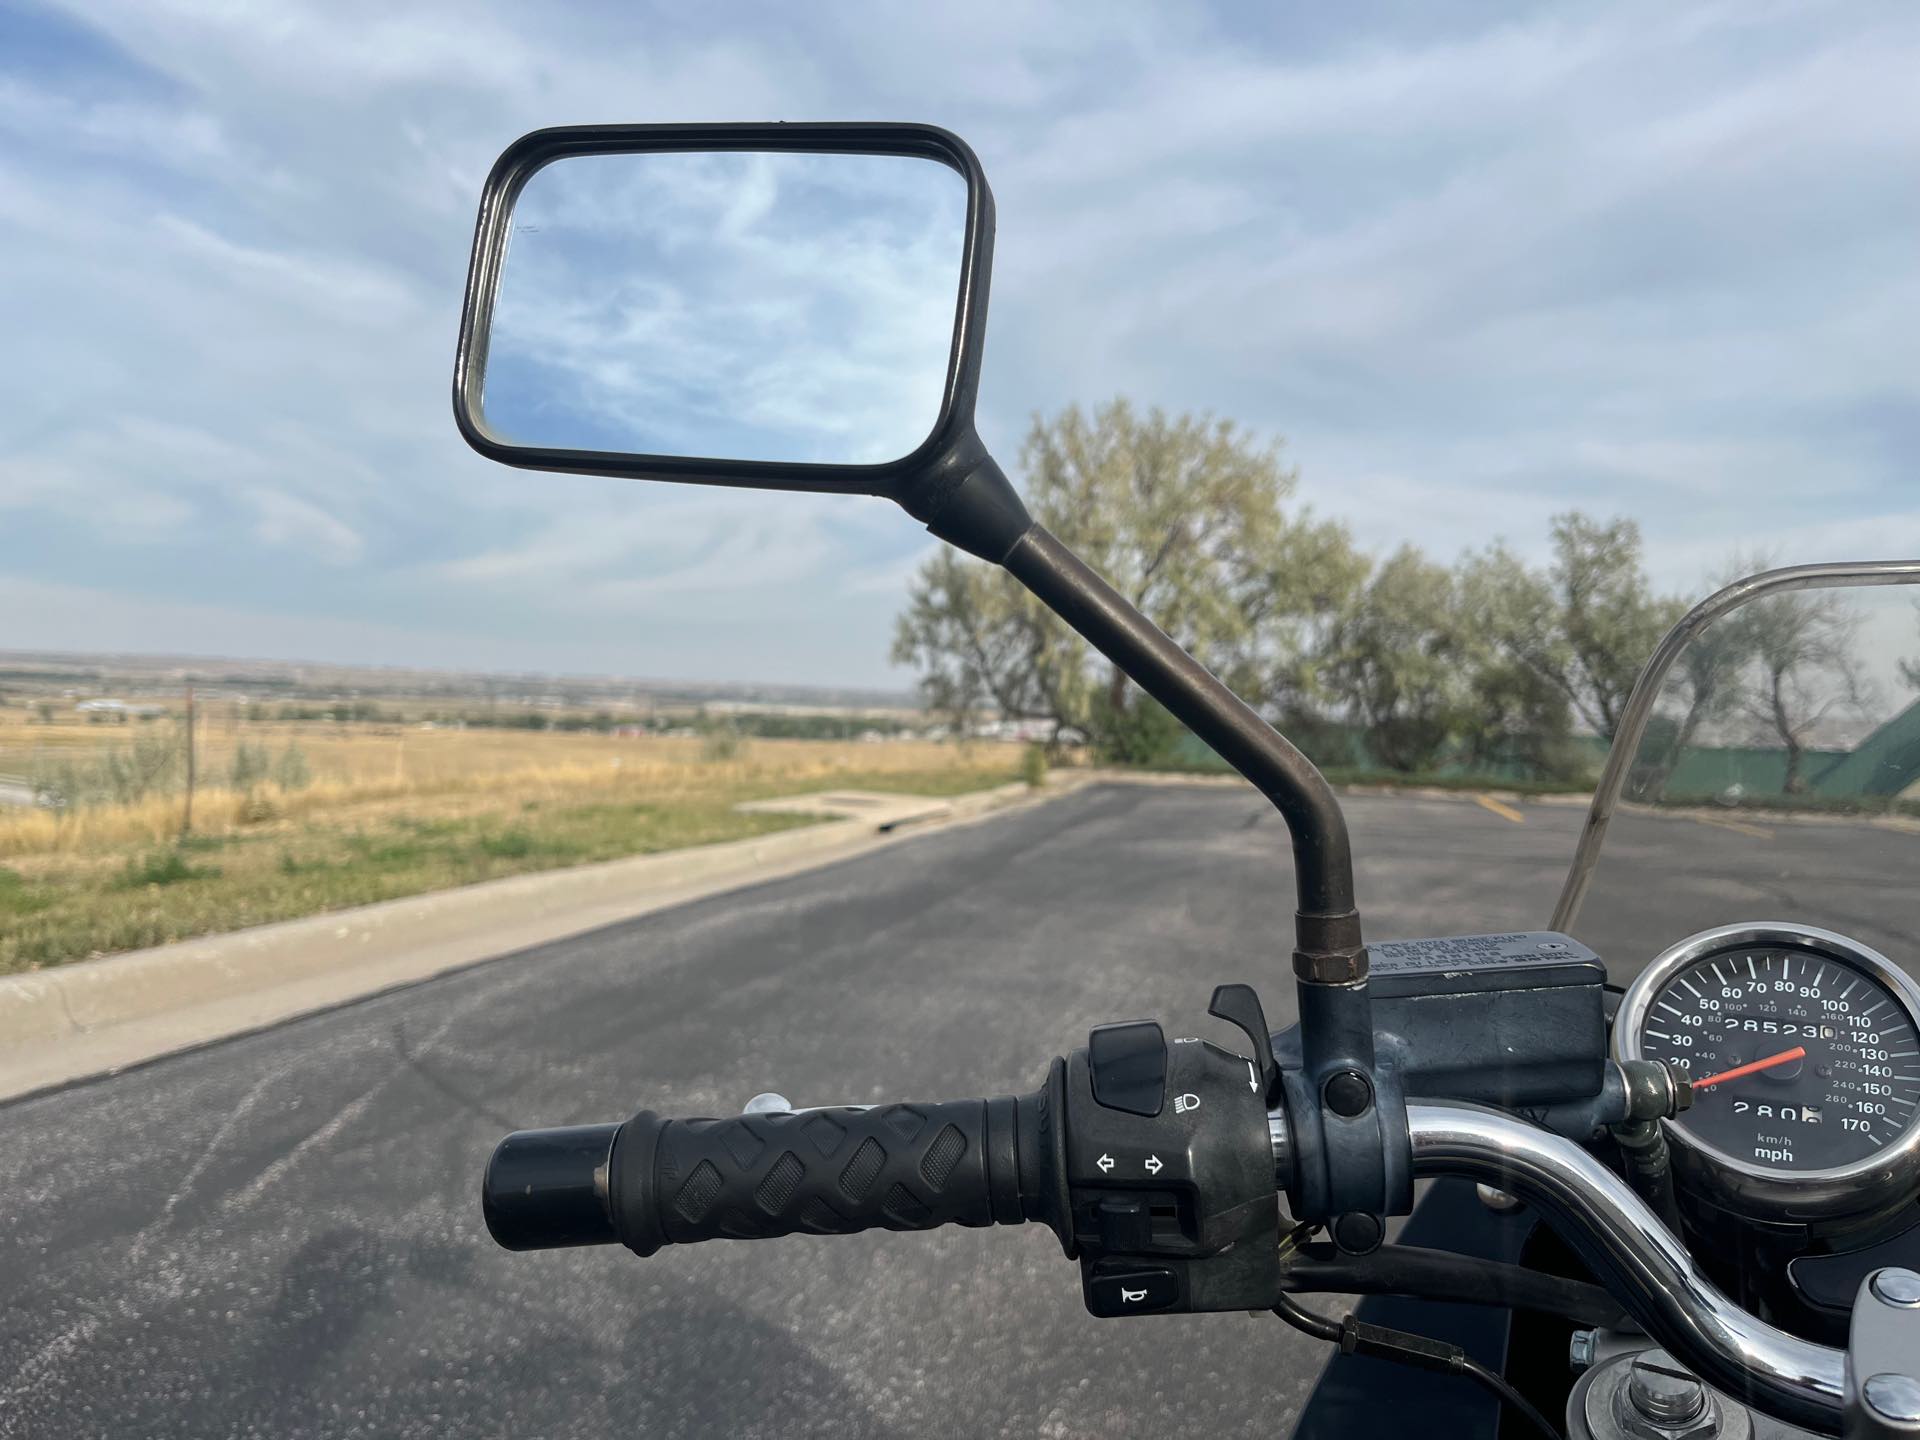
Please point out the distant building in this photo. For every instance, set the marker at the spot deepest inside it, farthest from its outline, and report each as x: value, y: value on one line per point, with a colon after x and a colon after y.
x: 120, y: 707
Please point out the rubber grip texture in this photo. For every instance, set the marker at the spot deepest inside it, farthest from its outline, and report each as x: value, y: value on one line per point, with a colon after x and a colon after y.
x: 815, y: 1172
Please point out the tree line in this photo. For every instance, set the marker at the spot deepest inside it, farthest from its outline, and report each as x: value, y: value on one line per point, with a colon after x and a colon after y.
x: 1401, y: 663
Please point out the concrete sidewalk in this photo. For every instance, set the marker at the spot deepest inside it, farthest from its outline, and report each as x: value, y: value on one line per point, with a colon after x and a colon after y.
x: 97, y: 1016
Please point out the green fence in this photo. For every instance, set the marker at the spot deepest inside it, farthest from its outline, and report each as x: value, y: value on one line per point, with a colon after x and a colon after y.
x: 1884, y: 765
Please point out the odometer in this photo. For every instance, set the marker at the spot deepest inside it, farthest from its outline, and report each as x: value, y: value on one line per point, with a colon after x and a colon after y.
x: 1804, y: 1055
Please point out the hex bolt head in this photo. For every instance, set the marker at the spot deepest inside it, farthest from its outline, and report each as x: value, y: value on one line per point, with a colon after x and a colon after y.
x: 1347, y: 1093
x: 1893, y: 1397
x: 1896, y: 1286
x: 1581, y: 1347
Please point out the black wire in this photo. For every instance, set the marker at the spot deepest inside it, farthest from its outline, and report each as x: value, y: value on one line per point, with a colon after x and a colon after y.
x: 1457, y: 1361
x: 1442, y: 1275
x: 1301, y: 1318
x: 1511, y: 1396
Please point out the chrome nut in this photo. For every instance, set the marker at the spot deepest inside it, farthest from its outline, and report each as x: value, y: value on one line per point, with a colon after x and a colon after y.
x: 1581, y: 1346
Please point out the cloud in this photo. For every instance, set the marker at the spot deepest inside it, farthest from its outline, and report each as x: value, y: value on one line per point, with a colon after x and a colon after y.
x: 1476, y: 267
x: 692, y: 544
x: 182, y: 480
x: 889, y: 578
x: 333, y: 283
x: 92, y: 617
x: 1693, y: 565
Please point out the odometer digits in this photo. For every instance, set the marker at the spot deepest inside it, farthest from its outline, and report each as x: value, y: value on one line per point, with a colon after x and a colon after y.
x: 1800, y: 1061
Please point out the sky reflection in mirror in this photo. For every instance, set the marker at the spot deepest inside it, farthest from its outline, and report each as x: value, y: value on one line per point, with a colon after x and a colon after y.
x: 732, y: 305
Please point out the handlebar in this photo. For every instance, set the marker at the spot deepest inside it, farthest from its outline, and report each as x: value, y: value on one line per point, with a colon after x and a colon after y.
x: 654, y: 1182
x: 1636, y: 1257
x: 831, y: 1171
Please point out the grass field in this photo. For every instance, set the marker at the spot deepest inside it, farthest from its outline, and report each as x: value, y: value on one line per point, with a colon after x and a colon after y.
x: 391, y: 811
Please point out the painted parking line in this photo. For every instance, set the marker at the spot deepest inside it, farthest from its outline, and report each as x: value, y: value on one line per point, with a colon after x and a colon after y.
x: 1505, y: 812
x: 1739, y: 827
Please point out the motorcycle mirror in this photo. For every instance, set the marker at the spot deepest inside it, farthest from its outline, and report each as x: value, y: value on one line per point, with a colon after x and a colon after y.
x: 790, y: 307
x: 768, y: 306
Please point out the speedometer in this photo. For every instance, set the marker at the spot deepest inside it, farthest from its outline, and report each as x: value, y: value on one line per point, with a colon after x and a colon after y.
x: 1804, y: 1054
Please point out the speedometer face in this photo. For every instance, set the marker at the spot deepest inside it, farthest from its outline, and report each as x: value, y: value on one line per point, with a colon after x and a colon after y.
x: 1799, y: 1061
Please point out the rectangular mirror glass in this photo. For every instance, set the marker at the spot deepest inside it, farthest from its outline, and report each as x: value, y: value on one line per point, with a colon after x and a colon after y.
x: 735, y: 305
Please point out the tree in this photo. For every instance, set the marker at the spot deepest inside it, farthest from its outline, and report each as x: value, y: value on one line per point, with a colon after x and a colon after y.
x: 1709, y: 669
x: 1705, y: 682
x: 1397, y: 661
x: 1586, y: 624
x: 1910, y: 669
x: 1613, y: 620
x: 1186, y: 517
x: 1516, y: 710
x: 982, y: 642
x: 1804, y: 667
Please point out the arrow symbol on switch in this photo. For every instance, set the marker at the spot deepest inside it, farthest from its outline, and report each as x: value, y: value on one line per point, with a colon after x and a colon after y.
x: 1105, y: 1162
x: 1154, y: 1167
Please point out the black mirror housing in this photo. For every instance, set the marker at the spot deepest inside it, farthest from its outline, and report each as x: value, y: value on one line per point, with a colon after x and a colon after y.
x: 921, y: 481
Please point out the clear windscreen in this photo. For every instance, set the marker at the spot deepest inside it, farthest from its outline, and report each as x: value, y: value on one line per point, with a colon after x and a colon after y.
x: 1778, y: 779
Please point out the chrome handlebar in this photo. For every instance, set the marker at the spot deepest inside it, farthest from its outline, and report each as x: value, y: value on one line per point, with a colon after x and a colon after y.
x: 1637, y: 1258
x: 1641, y: 1262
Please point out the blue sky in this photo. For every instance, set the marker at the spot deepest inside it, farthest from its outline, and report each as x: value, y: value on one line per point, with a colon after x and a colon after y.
x: 1476, y: 263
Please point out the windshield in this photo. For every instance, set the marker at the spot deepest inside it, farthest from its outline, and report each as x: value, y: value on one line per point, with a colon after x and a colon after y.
x: 1777, y: 777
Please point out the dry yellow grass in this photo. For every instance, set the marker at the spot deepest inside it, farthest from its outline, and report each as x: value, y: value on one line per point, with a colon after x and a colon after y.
x: 368, y: 771
x: 395, y: 811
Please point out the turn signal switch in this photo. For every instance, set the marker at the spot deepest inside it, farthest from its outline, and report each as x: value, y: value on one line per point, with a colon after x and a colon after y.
x: 1170, y: 1170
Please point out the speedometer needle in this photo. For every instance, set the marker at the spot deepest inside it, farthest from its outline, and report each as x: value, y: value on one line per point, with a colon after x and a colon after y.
x: 1797, y: 1053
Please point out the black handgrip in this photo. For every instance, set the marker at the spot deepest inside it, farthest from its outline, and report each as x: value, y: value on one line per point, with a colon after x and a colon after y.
x: 816, y: 1172
x: 654, y: 1182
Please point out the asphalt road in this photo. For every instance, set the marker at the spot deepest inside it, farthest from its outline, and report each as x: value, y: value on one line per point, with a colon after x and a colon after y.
x: 279, y: 1235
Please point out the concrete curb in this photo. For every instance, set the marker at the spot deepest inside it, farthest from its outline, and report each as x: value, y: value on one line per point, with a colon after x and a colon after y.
x: 96, y: 1016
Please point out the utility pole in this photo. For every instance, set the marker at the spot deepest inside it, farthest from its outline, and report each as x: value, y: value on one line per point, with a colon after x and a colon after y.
x: 186, y: 816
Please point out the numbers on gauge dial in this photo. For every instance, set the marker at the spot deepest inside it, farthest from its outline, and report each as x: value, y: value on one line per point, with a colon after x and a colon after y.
x: 1807, y: 1063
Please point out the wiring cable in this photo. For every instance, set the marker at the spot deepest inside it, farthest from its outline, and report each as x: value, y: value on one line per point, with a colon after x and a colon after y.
x: 1356, y: 1337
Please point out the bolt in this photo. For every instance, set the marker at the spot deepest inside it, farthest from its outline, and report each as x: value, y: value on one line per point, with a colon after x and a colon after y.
x: 1650, y: 1397
x: 1347, y: 1093
x: 1893, y: 1397
x: 1662, y: 1392
x: 1896, y: 1286
x: 1358, y: 1233
x: 1495, y: 1199
x: 1581, y: 1347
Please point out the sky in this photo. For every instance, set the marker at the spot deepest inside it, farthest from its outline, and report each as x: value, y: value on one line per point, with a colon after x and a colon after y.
x: 1475, y: 264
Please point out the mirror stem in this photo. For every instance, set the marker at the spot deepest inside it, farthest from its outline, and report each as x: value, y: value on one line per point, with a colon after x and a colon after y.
x: 1329, y: 949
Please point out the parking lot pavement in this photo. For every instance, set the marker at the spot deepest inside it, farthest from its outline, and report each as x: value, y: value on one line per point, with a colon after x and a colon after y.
x: 280, y: 1234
